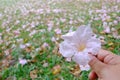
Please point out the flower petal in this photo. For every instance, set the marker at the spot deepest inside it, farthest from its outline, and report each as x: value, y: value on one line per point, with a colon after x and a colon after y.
x: 84, y: 32
x: 70, y: 37
x: 81, y: 58
x: 70, y: 34
x: 93, y: 46
x: 67, y: 49
x: 84, y: 68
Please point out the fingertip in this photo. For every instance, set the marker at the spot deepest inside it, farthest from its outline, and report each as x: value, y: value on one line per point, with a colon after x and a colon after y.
x: 92, y: 75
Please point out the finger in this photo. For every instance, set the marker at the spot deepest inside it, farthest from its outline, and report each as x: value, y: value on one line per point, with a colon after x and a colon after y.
x: 102, y: 54
x: 108, y: 57
x: 92, y: 75
x: 96, y: 65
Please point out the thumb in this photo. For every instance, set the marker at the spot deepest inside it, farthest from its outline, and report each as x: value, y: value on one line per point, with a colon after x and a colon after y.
x: 96, y: 65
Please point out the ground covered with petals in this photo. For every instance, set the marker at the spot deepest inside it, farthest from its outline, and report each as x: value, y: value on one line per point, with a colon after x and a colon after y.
x: 31, y: 30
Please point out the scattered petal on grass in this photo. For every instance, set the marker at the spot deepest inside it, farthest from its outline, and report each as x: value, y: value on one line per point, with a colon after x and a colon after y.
x: 115, y: 33
x: 22, y: 61
x: 45, y: 45
x: 22, y: 46
x: 68, y: 59
x: 45, y: 65
x: 58, y: 31
x: 107, y: 30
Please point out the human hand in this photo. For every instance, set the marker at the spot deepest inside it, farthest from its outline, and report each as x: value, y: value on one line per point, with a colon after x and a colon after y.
x: 105, y: 66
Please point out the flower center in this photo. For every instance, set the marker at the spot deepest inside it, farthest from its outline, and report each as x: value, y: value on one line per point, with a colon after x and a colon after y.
x: 81, y: 47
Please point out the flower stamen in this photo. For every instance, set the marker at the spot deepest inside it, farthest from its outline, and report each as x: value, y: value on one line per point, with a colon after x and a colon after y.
x: 81, y: 47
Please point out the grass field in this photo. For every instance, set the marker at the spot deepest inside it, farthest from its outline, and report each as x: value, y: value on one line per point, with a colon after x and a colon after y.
x: 30, y: 33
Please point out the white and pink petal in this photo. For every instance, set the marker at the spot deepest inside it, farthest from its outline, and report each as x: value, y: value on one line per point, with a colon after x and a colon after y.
x: 66, y: 49
x: 81, y: 58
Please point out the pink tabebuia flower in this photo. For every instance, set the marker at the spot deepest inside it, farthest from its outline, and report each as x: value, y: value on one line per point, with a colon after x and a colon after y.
x: 78, y: 44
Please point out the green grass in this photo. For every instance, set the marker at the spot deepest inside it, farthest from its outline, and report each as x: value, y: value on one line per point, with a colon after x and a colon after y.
x: 73, y: 9
x: 4, y: 3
